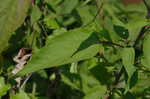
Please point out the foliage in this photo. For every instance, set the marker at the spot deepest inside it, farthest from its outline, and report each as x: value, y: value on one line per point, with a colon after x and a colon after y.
x: 81, y: 49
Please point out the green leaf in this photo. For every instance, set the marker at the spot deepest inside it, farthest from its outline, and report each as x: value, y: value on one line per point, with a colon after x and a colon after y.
x: 142, y: 84
x: 97, y: 92
x: 74, y: 67
x: 12, y: 15
x: 128, y: 57
x: 36, y: 14
x: 72, y: 83
x: 85, y: 81
x: 3, y: 87
x: 109, y: 26
x: 53, y: 2
x: 20, y: 95
x: 51, y: 23
x: 63, y: 49
x: 146, y: 51
x: 129, y: 96
x: 85, y: 14
x: 90, y: 84
x: 134, y: 27
x: 69, y: 6
x: 121, y: 31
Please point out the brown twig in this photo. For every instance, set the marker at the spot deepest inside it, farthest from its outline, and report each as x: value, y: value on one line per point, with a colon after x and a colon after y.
x: 140, y: 36
x: 110, y: 43
x: 148, y: 8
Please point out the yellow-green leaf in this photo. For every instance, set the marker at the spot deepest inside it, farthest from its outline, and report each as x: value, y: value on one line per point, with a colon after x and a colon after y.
x: 12, y: 15
x: 146, y: 51
x: 72, y: 46
x: 128, y: 57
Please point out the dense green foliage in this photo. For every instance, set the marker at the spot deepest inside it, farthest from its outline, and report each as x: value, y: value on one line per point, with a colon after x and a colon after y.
x: 81, y: 49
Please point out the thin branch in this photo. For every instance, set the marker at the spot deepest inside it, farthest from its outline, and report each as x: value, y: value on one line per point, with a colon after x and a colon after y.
x: 43, y: 28
x: 145, y: 3
x: 25, y: 81
x: 99, y: 10
x: 141, y: 34
x: 110, y: 43
x: 148, y: 8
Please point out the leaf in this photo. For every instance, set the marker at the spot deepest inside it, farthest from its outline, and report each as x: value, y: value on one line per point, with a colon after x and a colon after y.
x: 20, y: 95
x: 97, y: 92
x: 134, y: 27
x: 90, y: 84
x: 61, y: 50
x: 109, y: 26
x: 85, y: 14
x: 74, y: 67
x: 36, y: 14
x: 51, y: 23
x: 146, y: 51
x: 142, y: 84
x: 128, y: 57
x: 73, y: 84
x: 85, y: 81
x: 129, y: 96
x: 111, y: 56
x: 53, y: 2
x: 3, y: 87
x: 69, y: 6
x: 12, y: 15
x: 121, y: 31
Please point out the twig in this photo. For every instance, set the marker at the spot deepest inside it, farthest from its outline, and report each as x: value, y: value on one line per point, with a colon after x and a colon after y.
x: 110, y: 43
x: 25, y: 81
x: 148, y: 8
x: 43, y: 28
x: 99, y: 10
x: 140, y: 36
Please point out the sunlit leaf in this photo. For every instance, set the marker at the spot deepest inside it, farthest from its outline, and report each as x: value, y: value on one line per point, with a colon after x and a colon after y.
x: 72, y: 46
x: 3, y: 87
